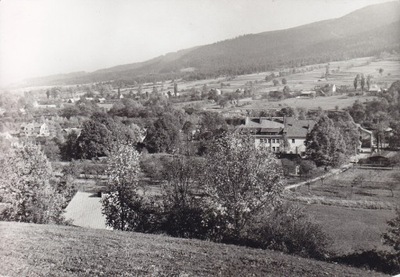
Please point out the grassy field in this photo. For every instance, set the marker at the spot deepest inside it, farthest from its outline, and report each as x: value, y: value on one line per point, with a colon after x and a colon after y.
x: 351, y: 229
x: 43, y: 250
x: 376, y: 185
x: 354, y: 216
x: 343, y: 73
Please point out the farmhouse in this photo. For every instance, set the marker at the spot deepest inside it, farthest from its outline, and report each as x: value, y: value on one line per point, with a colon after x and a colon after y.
x: 280, y: 134
x: 35, y: 130
x: 374, y: 88
x: 308, y: 94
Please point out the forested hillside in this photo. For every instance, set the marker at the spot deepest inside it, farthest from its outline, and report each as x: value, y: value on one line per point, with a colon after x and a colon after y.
x: 365, y: 32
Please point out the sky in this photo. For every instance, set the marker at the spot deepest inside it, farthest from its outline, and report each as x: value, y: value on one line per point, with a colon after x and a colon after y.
x: 46, y: 37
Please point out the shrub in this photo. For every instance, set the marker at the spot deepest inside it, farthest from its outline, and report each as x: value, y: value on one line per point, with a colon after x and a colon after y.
x: 382, y: 261
x: 392, y: 236
x: 289, y: 229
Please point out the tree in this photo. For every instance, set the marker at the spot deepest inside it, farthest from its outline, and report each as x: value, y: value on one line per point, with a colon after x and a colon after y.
x: 241, y: 181
x: 392, y: 236
x: 325, y: 144
x: 362, y: 82
x: 284, y: 81
x: 306, y: 167
x: 27, y: 194
x: 381, y: 71
x: 175, y: 89
x: 369, y: 80
x: 94, y: 140
x: 356, y: 81
x: 276, y: 82
x: 120, y: 204
x: 184, y: 213
x: 164, y: 134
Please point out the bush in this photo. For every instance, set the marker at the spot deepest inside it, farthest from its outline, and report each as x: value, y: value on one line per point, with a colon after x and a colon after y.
x: 289, y: 229
x: 382, y: 261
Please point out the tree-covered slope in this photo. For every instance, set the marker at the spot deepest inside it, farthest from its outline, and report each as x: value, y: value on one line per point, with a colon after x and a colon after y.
x: 364, y: 32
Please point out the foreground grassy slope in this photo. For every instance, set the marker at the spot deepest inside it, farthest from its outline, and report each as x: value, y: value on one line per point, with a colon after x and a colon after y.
x: 42, y: 250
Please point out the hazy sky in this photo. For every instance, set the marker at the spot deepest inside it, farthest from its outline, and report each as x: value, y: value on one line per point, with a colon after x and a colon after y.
x: 45, y: 37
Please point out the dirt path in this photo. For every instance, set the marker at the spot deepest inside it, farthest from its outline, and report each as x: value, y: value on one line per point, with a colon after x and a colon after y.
x: 84, y: 210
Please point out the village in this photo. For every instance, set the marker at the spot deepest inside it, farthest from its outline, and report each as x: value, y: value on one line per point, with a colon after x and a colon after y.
x: 265, y: 154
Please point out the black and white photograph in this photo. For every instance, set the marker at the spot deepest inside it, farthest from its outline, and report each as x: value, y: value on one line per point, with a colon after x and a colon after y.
x: 199, y: 138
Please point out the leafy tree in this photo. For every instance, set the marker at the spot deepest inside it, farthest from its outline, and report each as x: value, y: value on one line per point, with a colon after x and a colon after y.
x: 276, y: 82
x: 362, y: 82
x: 356, y: 81
x: 306, y: 167
x: 381, y: 71
x: 325, y: 144
x: 175, y: 89
x: 184, y: 212
x: 357, y: 112
x: 120, y: 204
x: 392, y: 236
x: 369, y: 80
x: 241, y: 181
x: 284, y: 81
x: 164, y: 134
x: 94, y: 141
x: 25, y: 187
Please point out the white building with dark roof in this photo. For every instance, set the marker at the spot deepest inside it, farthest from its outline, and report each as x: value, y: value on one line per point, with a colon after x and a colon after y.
x: 280, y: 134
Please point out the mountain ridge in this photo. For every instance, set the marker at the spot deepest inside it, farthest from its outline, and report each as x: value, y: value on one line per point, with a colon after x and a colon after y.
x: 358, y: 34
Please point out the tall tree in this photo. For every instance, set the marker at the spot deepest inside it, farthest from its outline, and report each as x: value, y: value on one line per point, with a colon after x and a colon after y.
x: 356, y: 81
x: 120, y: 203
x: 325, y: 144
x: 241, y: 181
x: 27, y: 194
x: 362, y: 82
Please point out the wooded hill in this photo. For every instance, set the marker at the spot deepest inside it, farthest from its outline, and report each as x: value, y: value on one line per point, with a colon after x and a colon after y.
x: 365, y: 32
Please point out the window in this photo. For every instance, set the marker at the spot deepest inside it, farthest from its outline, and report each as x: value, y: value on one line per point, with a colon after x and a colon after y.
x: 269, y: 140
x: 277, y: 141
x: 273, y: 149
x: 293, y: 140
x: 277, y: 149
x: 273, y: 140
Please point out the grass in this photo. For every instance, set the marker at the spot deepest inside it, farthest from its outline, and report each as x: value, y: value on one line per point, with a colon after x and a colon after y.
x: 351, y: 229
x: 373, y: 188
x: 43, y: 250
x: 306, y: 80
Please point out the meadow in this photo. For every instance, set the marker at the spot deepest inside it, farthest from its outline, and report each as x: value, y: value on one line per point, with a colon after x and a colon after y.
x: 352, y: 207
x: 351, y: 229
x: 342, y: 74
x: 45, y: 250
x: 358, y: 185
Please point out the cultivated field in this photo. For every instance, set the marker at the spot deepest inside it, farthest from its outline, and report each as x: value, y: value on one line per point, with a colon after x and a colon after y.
x: 358, y: 185
x: 44, y: 250
x: 343, y: 73
x: 352, y: 207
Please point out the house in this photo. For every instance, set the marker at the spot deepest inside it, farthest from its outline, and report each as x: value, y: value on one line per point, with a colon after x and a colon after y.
x: 35, y: 130
x: 68, y: 131
x: 327, y: 90
x: 367, y: 141
x: 307, y: 94
x: 280, y: 134
x: 374, y: 88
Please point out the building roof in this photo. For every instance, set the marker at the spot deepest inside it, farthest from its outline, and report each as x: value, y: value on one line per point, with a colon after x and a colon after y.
x: 298, y: 127
x: 293, y: 127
